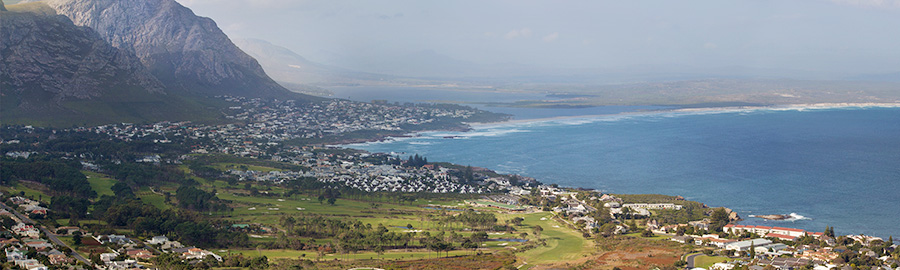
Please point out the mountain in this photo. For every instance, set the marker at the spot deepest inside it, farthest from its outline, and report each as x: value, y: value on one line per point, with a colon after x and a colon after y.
x: 53, y: 72
x: 184, y: 51
x: 301, y: 75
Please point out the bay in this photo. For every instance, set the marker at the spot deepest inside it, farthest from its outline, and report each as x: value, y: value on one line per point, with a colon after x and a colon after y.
x: 835, y: 167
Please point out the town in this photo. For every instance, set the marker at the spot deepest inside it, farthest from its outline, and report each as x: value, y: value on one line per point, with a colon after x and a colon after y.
x: 278, y: 154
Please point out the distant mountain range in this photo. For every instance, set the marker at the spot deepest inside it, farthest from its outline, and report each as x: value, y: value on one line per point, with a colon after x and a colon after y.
x: 98, y: 61
x: 299, y: 74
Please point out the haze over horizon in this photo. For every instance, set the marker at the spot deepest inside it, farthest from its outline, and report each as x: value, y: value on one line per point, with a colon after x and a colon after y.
x: 839, y: 38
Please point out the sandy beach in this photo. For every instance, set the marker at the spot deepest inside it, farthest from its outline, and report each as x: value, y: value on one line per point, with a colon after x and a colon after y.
x: 810, y: 106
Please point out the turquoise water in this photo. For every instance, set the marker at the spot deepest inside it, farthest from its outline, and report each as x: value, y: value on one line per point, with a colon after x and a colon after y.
x: 835, y: 167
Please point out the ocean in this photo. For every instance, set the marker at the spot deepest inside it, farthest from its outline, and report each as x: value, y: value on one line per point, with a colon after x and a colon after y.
x: 836, y: 167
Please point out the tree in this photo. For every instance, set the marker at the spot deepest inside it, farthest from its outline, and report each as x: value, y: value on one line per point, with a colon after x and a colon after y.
x: 752, y: 251
x: 468, y: 244
x: 321, y: 199
x: 718, y: 219
x: 829, y: 231
x: 537, y: 230
x: 331, y: 200
x: 608, y: 229
x: 76, y: 239
x: 517, y: 221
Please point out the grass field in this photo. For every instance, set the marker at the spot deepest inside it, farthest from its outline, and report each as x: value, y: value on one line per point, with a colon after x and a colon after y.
x: 563, y: 244
x: 704, y: 261
x: 101, y: 183
x: 29, y: 192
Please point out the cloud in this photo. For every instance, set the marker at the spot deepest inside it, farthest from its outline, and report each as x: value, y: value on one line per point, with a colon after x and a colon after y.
x: 870, y: 3
x: 517, y: 33
x: 710, y: 45
x: 551, y: 37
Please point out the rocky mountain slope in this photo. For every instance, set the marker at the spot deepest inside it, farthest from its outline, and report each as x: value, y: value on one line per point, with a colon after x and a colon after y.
x: 186, y: 52
x: 88, y: 62
x: 53, y: 72
x: 34, y: 57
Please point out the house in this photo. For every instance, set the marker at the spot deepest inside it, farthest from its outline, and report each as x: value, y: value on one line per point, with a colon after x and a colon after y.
x: 589, y: 222
x: 123, y: 265
x: 775, y: 247
x: 39, y: 244
x: 196, y: 253
x: 30, y: 264
x: 785, y: 263
x: 713, y: 241
x: 14, y: 254
x: 682, y: 239
x: 57, y: 259
x: 139, y: 254
x: 722, y: 266
x: 701, y: 224
x: 26, y: 230
x: 114, y: 239
x: 69, y: 229
x: 158, y: 240
x: 107, y: 257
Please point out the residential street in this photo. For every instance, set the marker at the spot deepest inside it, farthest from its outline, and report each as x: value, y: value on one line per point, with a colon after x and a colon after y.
x: 46, y: 232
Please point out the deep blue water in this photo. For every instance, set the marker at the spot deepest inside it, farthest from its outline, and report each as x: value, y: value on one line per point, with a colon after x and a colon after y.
x: 836, y: 167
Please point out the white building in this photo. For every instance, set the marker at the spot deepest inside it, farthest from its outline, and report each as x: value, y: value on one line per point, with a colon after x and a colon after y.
x: 745, y: 245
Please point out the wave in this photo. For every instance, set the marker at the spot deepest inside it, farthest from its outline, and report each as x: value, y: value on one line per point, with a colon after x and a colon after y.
x: 796, y: 217
x: 521, y: 126
x: 789, y: 217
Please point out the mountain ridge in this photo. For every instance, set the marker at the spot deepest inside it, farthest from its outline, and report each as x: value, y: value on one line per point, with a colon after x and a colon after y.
x: 186, y: 52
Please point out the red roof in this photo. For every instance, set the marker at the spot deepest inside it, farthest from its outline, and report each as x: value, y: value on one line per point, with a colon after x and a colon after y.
x: 787, y: 229
x: 781, y: 236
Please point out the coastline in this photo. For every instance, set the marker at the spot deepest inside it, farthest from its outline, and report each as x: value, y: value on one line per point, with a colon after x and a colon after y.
x: 482, y: 125
x: 479, y: 128
x: 800, y: 106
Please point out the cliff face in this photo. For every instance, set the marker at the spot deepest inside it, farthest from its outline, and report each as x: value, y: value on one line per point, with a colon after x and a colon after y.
x: 184, y: 51
x: 46, y: 57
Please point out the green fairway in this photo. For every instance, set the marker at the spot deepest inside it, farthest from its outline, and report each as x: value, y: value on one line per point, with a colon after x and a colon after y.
x: 101, y: 183
x: 267, y: 210
x: 294, y: 254
x: 243, y: 167
x: 147, y: 196
x: 563, y: 244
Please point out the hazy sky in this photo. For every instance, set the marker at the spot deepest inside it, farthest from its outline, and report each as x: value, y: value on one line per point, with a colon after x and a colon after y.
x: 844, y: 36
